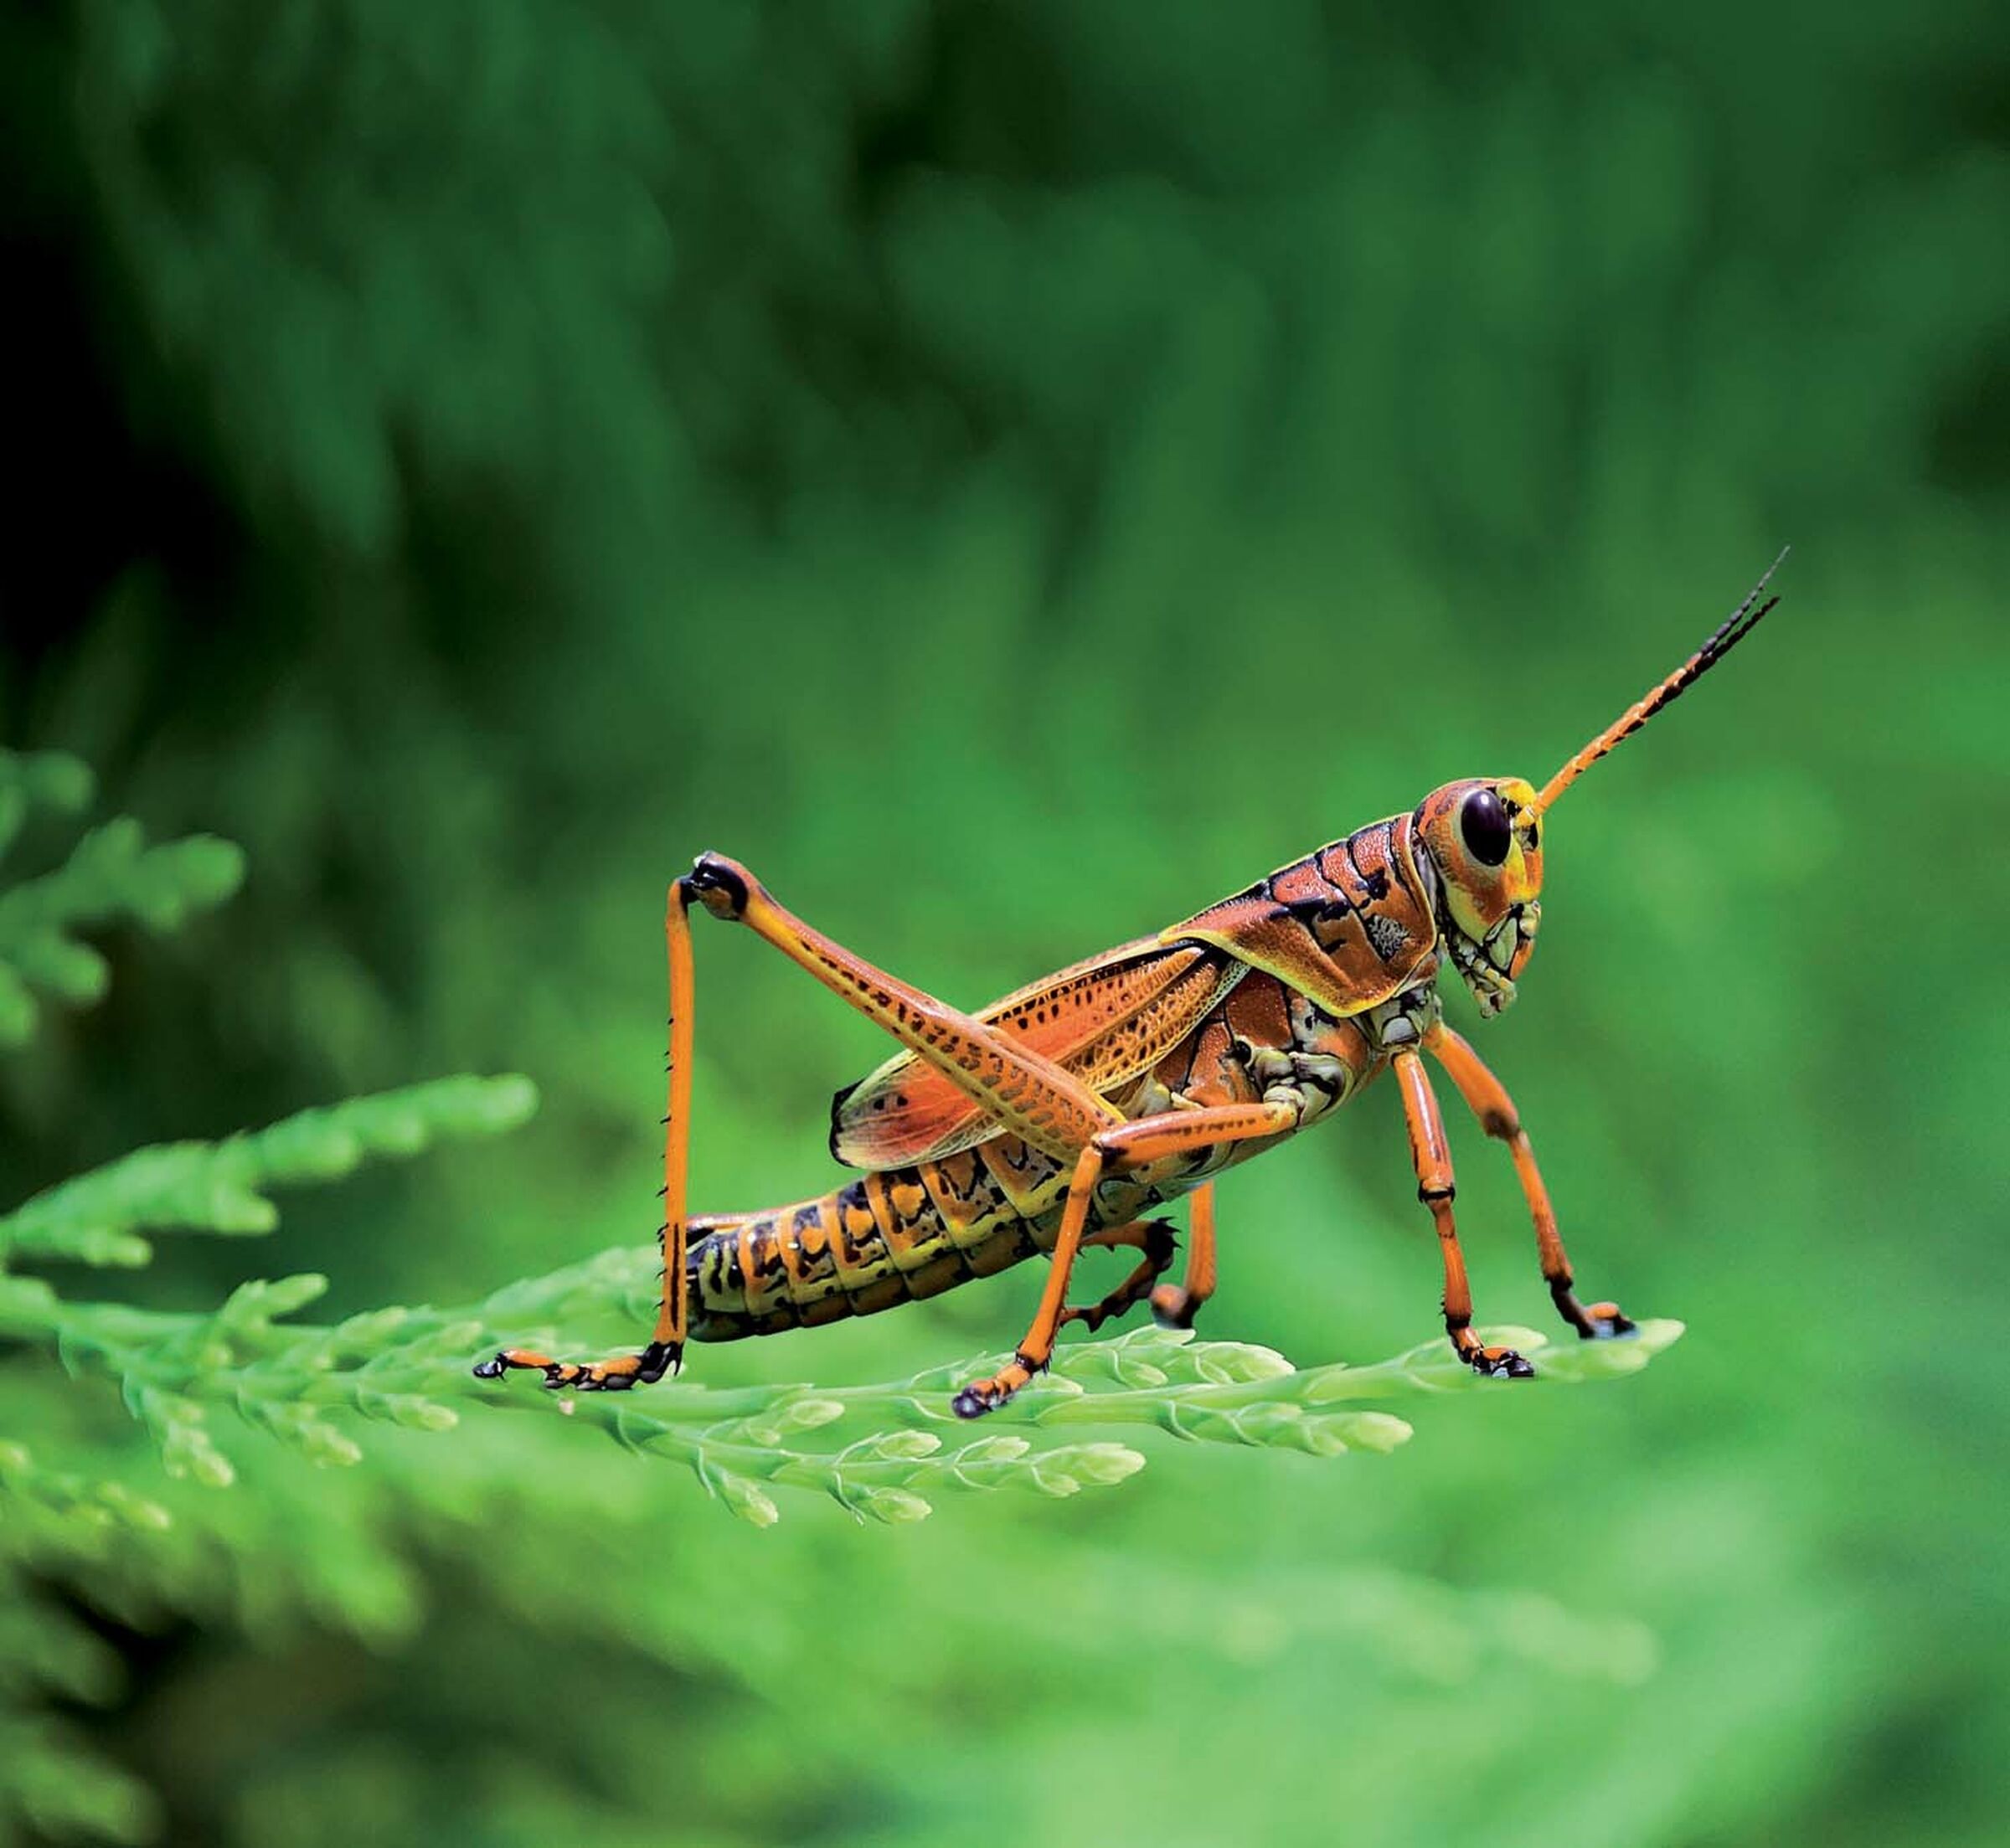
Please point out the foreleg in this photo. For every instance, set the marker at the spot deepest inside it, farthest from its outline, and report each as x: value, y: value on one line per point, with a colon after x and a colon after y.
x: 1435, y: 1187
x: 1490, y: 1103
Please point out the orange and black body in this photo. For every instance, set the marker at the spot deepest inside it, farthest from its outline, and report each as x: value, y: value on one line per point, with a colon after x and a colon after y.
x: 1067, y: 1113
x: 1360, y: 913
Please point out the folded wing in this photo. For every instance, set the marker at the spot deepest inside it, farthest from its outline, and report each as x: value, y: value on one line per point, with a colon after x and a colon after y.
x: 1107, y: 1020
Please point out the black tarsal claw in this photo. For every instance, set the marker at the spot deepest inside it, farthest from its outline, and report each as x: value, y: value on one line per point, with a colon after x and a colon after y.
x: 659, y: 1358
x: 491, y: 1369
x: 1507, y: 1365
x: 968, y: 1404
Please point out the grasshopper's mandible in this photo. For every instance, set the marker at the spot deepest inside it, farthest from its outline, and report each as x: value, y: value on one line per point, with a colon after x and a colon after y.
x: 1058, y: 1117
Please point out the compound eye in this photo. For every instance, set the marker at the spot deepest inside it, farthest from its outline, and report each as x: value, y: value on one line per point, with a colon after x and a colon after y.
x: 1483, y: 826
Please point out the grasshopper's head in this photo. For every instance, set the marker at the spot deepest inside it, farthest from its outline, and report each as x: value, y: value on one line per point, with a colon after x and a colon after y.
x: 1485, y: 840
x: 1485, y: 837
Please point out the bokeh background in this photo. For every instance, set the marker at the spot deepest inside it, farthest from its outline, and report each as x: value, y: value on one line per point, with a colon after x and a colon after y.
x: 1011, y: 474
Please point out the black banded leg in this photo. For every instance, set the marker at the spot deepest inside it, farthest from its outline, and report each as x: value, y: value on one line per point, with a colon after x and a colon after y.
x: 1154, y: 1239
x: 1436, y: 1188
x: 665, y: 1352
x: 1132, y: 1145
x: 1175, y: 1306
x: 1031, y: 1096
x: 614, y: 1375
x: 1489, y: 1101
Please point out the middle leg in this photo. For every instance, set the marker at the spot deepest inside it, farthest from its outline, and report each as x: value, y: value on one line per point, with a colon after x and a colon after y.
x: 1175, y: 1306
x: 1153, y: 1239
x: 1133, y: 1146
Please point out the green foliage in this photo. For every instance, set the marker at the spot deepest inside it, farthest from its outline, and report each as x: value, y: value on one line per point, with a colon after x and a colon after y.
x: 112, y: 874
x: 167, y: 1364
x: 219, y: 1186
x: 1204, y: 1392
x: 54, y: 1518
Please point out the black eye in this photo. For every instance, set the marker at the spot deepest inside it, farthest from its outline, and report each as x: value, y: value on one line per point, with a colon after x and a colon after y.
x: 1483, y: 823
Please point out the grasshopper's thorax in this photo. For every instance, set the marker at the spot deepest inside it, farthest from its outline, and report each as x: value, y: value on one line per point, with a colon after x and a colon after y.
x: 1482, y: 839
x: 1404, y: 1018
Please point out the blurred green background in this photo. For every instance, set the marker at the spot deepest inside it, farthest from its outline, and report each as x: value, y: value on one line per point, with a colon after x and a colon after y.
x: 1013, y: 474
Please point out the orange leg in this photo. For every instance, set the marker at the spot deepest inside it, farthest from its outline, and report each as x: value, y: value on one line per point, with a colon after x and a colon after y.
x: 1490, y: 1103
x: 1176, y: 1304
x: 665, y: 1352
x: 1151, y: 1237
x: 1132, y: 1145
x: 1029, y: 1095
x: 1435, y: 1187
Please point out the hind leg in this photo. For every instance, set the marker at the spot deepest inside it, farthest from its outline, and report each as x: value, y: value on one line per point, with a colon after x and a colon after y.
x: 1031, y: 1096
x: 1028, y: 1094
x: 665, y: 1352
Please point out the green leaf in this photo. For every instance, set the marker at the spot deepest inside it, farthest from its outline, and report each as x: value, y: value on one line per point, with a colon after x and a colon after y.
x: 111, y: 875
x: 217, y: 1186
x: 44, y: 780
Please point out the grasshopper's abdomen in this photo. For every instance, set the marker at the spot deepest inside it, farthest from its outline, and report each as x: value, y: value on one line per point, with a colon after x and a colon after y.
x: 888, y: 1237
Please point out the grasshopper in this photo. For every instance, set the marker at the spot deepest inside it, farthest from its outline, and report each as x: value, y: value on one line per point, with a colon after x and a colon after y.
x: 1058, y: 1118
